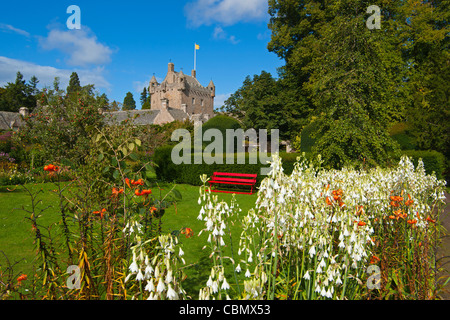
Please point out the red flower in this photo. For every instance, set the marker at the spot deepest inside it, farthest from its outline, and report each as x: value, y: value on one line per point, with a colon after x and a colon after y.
x: 143, y: 192
x: 101, y: 213
x: 21, y: 278
x: 116, y: 191
x: 51, y: 168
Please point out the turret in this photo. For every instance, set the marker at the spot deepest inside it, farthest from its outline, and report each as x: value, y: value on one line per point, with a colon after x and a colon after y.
x: 212, y: 88
x: 153, y: 85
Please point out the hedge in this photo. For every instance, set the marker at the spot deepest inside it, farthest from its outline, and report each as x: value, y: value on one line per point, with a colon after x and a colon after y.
x: 166, y: 170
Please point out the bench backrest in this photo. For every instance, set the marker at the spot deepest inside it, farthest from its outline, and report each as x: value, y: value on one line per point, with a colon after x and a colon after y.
x: 232, y: 174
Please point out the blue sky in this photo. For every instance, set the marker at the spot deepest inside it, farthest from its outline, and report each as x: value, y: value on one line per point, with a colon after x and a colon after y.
x: 121, y: 44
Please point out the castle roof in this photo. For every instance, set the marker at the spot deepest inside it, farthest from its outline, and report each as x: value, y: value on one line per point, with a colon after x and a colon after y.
x: 10, y: 120
x: 138, y: 117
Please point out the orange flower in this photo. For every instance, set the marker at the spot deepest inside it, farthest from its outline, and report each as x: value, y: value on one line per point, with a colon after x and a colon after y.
x: 396, y: 198
x: 143, y: 192
x: 153, y: 209
x: 139, y: 182
x: 101, y: 213
x: 374, y: 259
x: 127, y: 181
x: 430, y: 220
x: 394, y: 204
x: 116, y: 191
x: 361, y: 224
x: 188, y: 231
x: 327, y: 200
x: 413, y: 221
x: 51, y: 168
x: 21, y: 278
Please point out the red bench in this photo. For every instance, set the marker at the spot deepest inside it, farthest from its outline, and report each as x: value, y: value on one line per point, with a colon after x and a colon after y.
x: 232, y: 178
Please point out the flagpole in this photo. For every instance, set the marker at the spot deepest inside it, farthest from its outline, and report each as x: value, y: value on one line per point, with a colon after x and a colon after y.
x: 195, y: 56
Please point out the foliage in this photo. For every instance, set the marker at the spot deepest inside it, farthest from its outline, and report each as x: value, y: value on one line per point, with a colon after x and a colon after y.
x: 18, y: 94
x: 128, y: 102
x: 60, y: 131
x: 166, y: 170
x: 267, y: 103
x: 319, y: 234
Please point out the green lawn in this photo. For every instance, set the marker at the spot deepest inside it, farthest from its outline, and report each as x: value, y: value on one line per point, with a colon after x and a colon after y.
x: 16, y: 238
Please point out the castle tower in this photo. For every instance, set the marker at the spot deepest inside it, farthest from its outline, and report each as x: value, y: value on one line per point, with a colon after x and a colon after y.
x: 182, y: 92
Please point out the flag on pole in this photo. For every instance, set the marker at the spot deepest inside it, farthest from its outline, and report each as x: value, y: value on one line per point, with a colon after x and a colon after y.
x: 197, y: 47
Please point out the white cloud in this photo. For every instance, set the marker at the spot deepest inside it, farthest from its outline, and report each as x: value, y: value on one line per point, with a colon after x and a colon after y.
x: 81, y: 45
x: 8, y: 28
x: 46, y: 74
x: 220, y: 34
x: 225, y: 12
x: 219, y: 100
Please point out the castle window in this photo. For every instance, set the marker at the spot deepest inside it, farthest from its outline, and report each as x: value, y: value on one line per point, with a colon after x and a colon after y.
x: 193, y: 101
x: 202, y: 102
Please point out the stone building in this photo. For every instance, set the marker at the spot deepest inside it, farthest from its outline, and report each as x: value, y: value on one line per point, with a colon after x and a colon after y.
x: 179, y: 97
x: 183, y: 92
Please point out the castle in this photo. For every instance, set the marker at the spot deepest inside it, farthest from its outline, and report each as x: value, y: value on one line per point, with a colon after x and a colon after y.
x: 183, y: 92
x: 178, y: 97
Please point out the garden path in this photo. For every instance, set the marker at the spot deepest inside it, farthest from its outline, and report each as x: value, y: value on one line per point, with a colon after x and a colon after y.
x: 444, y: 250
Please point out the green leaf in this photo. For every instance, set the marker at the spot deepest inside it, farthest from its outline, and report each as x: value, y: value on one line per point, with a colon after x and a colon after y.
x: 116, y: 174
x: 100, y: 157
x: 138, y: 142
x: 177, y: 194
x: 134, y: 156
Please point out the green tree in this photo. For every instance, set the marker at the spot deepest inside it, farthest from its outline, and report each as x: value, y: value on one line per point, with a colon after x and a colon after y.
x: 145, y: 99
x: 17, y: 94
x: 353, y: 75
x: 128, y: 102
x: 74, y: 84
x: 264, y: 102
x: 426, y: 50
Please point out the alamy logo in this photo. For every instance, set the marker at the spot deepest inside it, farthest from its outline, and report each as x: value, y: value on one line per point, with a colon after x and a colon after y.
x: 74, y: 280
x: 236, y: 141
x: 374, y: 21
x: 74, y: 21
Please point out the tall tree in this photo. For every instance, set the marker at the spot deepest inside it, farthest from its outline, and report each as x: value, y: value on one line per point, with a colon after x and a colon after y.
x: 17, y: 94
x: 128, y: 102
x: 264, y: 102
x: 352, y: 75
x: 145, y: 99
x: 74, y: 84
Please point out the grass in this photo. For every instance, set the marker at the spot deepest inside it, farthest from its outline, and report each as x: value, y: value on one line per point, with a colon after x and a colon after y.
x: 16, y: 238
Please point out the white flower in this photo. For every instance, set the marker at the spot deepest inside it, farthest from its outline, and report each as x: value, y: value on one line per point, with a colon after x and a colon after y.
x: 171, y: 294
x: 169, y: 276
x: 181, y: 253
x: 247, y: 273
x: 161, y: 287
x: 134, y: 267
x: 150, y: 286
x: 312, y: 251
x: 306, y: 276
x: 238, y: 268
x: 215, y: 287
x: 140, y: 276
x: 225, y: 285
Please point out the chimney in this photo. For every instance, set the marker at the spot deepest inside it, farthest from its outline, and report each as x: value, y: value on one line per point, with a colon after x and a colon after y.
x: 171, y: 67
x: 24, y: 112
x: 194, y: 73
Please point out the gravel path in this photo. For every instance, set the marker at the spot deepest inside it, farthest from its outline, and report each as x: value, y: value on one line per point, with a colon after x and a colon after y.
x: 444, y: 251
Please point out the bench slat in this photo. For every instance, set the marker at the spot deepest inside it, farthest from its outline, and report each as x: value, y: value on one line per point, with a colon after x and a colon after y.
x: 235, y: 174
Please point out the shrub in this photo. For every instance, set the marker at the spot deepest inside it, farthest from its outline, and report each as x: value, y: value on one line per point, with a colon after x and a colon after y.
x: 190, y: 173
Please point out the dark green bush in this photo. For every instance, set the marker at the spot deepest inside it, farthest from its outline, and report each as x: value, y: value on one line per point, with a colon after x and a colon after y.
x: 166, y: 170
